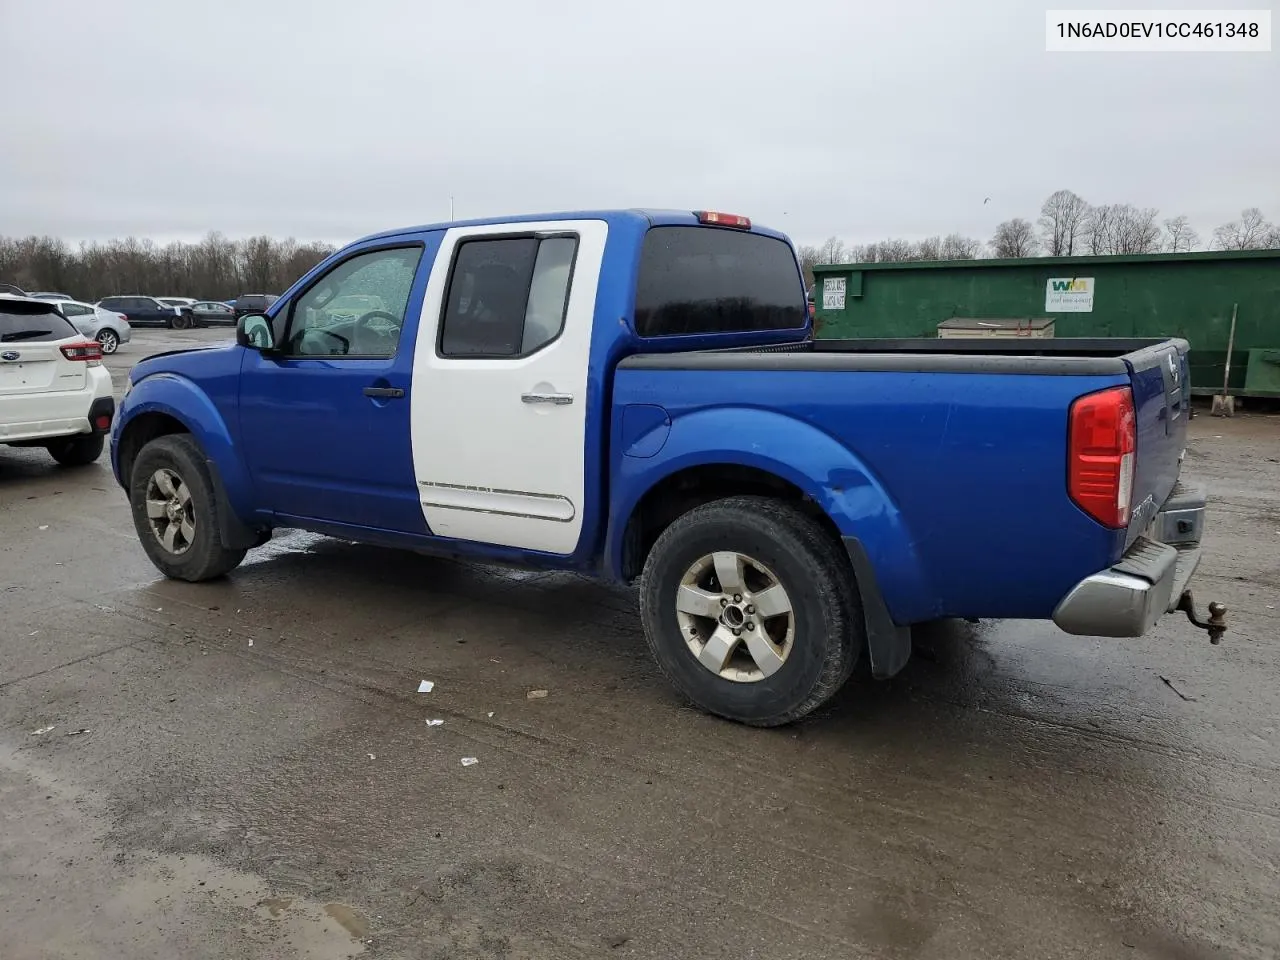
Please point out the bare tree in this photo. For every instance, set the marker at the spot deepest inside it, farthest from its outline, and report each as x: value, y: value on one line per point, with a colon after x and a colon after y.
x: 215, y: 267
x: 1122, y: 228
x: 895, y: 250
x: 1179, y: 237
x: 929, y: 248
x: 1250, y: 232
x: 1100, y: 228
x: 1062, y: 223
x: 957, y: 247
x: 1137, y: 230
x: 832, y: 250
x: 1014, y: 238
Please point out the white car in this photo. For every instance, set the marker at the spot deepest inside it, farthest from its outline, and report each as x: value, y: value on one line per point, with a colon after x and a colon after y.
x: 54, y: 391
x: 49, y: 295
x: 106, y: 326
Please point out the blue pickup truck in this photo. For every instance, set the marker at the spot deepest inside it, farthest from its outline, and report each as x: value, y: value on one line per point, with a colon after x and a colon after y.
x: 638, y: 395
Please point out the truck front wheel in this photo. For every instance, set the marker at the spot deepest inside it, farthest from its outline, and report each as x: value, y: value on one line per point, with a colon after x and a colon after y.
x: 750, y: 609
x: 175, y: 512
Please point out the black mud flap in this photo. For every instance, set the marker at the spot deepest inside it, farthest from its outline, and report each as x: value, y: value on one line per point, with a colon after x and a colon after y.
x: 236, y: 535
x: 888, y: 645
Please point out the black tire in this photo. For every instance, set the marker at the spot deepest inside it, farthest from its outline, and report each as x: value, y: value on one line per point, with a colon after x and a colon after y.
x: 180, y: 322
x: 808, y: 562
x: 109, y: 340
x: 204, y: 557
x: 78, y: 451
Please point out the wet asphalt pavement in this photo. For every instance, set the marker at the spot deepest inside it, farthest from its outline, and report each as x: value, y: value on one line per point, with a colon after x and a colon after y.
x: 257, y: 778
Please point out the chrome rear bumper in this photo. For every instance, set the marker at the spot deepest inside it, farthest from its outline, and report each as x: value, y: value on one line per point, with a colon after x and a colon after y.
x: 1127, y: 599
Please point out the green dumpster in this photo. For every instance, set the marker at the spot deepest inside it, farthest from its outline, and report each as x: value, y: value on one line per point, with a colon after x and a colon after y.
x: 1187, y: 295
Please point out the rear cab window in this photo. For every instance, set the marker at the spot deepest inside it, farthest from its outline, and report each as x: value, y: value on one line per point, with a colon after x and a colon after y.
x: 33, y: 323
x: 697, y: 280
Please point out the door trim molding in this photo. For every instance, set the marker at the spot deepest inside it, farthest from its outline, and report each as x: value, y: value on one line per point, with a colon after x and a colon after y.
x: 505, y: 503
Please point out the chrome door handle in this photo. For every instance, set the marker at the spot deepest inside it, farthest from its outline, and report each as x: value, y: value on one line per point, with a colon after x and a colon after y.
x: 556, y: 398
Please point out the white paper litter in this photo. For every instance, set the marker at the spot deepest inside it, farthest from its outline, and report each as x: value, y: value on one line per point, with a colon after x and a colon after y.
x: 43, y: 730
x: 426, y: 686
x: 372, y: 757
x: 44, y: 526
x: 434, y: 723
x: 490, y: 714
x: 469, y: 761
x: 536, y: 695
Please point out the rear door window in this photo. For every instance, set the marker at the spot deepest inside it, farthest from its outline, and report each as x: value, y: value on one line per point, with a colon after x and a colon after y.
x: 700, y: 280
x: 27, y: 326
x: 507, y: 296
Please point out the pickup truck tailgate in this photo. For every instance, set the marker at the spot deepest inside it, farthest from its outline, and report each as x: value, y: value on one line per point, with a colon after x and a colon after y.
x: 1162, y: 406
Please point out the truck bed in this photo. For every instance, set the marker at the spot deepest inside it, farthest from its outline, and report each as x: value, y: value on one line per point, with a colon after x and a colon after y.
x: 967, y: 440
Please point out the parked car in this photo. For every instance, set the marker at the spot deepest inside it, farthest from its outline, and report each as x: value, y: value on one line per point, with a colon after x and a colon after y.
x: 636, y: 394
x: 209, y: 312
x: 51, y: 297
x: 11, y: 290
x: 54, y: 391
x: 350, y: 307
x: 148, y: 312
x: 109, y: 329
x: 253, y: 303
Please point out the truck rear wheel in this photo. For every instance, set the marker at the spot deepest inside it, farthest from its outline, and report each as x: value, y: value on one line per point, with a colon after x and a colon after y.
x: 175, y: 512
x: 750, y: 609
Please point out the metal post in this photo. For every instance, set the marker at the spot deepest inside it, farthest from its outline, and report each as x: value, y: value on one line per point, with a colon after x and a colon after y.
x: 1225, y: 405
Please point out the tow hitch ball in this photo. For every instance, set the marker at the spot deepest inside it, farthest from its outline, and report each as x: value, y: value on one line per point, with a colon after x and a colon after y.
x: 1216, y: 625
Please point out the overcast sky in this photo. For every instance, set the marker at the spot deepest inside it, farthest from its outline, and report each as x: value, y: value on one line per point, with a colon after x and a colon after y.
x: 329, y: 119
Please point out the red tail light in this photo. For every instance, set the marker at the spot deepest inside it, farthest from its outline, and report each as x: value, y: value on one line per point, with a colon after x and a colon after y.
x: 722, y: 219
x: 1101, y: 440
x: 90, y: 351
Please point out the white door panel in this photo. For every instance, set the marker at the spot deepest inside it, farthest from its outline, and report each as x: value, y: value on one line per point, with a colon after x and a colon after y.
x: 499, y: 444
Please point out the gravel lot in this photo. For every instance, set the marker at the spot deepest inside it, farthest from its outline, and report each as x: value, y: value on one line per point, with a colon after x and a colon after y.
x: 256, y: 776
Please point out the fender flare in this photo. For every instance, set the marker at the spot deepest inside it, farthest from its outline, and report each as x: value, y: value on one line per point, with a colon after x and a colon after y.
x: 876, y: 536
x: 178, y: 397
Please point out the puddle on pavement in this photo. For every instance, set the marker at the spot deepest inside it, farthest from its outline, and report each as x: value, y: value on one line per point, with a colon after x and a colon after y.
x: 275, y: 905
x: 348, y: 919
x: 338, y: 919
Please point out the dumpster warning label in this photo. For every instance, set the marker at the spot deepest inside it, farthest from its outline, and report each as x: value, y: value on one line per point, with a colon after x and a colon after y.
x: 833, y: 293
x: 1068, y: 295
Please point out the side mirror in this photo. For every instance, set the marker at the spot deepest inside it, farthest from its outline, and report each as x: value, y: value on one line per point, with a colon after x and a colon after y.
x: 253, y: 330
